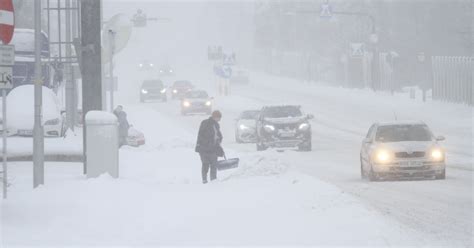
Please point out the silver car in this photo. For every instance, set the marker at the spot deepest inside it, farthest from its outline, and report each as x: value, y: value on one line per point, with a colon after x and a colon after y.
x: 245, y: 127
x: 400, y: 150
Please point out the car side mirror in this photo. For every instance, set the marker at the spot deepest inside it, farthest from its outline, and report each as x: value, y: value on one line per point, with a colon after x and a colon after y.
x: 367, y: 140
x: 440, y: 138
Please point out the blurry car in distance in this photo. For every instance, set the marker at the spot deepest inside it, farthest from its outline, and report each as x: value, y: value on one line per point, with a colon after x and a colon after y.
x: 180, y: 88
x: 153, y: 90
x: 245, y: 127
x: 196, y: 101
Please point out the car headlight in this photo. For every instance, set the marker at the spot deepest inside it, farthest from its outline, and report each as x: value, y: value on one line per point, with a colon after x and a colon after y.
x: 303, y: 127
x: 437, y: 154
x: 175, y: 91
x: 163, y: 91
x: 140, y: 65
x: 208, y: 103
x: 161, y: 71
x: 52, y: 122
x: 186, y: 104
x: 151, y: 65
x: 269, y: 128
x: 171, y: 71
x: 243, y: 127
x: 144, y: 91
x: 383, y: 156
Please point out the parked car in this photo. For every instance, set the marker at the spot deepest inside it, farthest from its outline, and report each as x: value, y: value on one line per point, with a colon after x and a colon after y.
x: 239, y: 76
x: 135, y: 137
x: 180, y: 88
x: 245, y: 127
x: 20, y: 112
x: 196, y: 101
x: 402, y: 149
x: 153, y: 90
x: 283, y: 127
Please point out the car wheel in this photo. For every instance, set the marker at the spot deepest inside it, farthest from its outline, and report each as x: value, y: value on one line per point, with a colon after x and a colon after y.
x: 362, y: 172
x: 237, y: 139
x: 306, y: 147
x: 372, y: 175
x: 442, y: 175
x: 261, y: 147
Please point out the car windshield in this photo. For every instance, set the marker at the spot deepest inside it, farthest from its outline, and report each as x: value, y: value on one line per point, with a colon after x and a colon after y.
x: 196, y: 94
x: 182, y: 84
x: 249, y: 115
x: 282, y: 112
x: 398, y: 133
x: 152, y: 84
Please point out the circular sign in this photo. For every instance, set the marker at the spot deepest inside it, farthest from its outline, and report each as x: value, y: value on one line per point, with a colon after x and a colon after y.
x: 7, y: 21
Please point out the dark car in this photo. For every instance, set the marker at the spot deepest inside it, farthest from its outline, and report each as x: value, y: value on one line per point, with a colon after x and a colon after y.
x: 153, y: 90
x: 283, y: 127
x: 196, y: 101
x: 180, y: 88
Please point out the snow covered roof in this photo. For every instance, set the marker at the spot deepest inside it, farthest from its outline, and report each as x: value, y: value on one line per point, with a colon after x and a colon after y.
x: 100, y: 118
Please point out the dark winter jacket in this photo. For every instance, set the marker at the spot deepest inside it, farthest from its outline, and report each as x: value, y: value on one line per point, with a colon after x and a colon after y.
x: 123, y: 123
x: 209, y: 137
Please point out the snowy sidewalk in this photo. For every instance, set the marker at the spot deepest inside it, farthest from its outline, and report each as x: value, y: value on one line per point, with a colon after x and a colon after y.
x: 159, y: 200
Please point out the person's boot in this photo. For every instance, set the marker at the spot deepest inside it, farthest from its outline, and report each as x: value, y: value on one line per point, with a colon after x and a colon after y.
x: 204, y: 181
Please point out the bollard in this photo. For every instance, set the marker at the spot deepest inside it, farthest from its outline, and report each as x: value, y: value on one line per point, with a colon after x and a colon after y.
x: 102, y: 144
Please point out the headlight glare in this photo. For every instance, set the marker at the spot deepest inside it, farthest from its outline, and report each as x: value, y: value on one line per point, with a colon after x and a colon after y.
x: 383, y: 156
x: 186, y: 104
x: 269, y: 128
x: 175, y: 91
x: 304, y: 127
x: 208, y: 103
x: 243, y: 127
x: 437, y: 154
x: 163, y: 91
x: 144, y: 91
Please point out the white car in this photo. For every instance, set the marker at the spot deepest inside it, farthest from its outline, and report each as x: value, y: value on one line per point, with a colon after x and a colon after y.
x: 20, y: 112
x: 196, y: 101
x: 402, y: 149
x: 245, y: 127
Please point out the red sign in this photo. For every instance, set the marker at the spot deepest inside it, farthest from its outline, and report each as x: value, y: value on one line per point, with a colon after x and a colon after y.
x: 7, y: 21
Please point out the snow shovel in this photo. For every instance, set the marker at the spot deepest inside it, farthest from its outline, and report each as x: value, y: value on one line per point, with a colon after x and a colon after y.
x: 227, y: 164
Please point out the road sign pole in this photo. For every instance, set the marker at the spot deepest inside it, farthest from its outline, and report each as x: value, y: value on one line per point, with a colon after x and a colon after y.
x: 111, y: 69
x: 38, y: 138
x: 5, y: 168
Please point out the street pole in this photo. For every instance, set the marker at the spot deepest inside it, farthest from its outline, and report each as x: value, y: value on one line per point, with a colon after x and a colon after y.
x: 91, y: 61
x: 5, y: 129
x: 38, y: 133
x: 111, y: 69
x: 70, y: 117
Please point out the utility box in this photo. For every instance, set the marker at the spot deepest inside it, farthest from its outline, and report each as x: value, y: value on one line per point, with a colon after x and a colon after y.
x: 102, y: 144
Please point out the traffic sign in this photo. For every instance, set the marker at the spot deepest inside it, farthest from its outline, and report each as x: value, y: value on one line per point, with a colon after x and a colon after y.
x: 7, y: 21
x: 357, y: 49
x: 325, y: 11
x: 7, y: 55
x: 6, y: 77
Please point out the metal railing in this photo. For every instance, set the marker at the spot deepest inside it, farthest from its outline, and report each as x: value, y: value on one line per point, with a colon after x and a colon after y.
x: 453, y: 79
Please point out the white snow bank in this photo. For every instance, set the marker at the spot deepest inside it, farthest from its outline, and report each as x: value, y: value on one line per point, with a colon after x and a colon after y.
x: 100, y: 117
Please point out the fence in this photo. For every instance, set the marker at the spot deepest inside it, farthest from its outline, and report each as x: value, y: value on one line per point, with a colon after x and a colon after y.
x: 453, y: 79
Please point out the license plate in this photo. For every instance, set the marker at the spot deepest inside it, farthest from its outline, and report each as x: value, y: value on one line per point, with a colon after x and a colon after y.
x: 411, y: 164
x: 287, y: 134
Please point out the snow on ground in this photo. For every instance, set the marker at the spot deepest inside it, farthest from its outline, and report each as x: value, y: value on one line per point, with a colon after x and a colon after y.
x: 159, y: 200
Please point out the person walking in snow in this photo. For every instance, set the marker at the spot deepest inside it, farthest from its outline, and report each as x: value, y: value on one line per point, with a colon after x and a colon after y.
x: 208, y: 145
x: 123, y: 124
